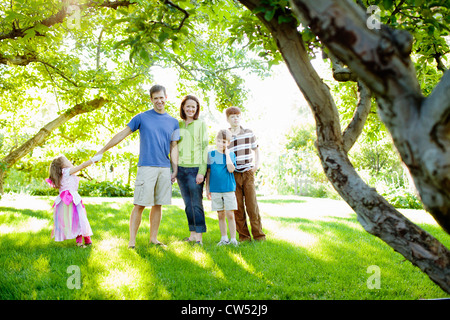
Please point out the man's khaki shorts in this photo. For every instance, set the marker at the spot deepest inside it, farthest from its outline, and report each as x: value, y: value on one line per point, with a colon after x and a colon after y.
x: 223, y: 201
x: 153, y: 186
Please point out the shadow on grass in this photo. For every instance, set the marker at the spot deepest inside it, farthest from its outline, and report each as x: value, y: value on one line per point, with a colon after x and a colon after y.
x: 33, y: 266
x: 40, y: 214
x: 331, y: 264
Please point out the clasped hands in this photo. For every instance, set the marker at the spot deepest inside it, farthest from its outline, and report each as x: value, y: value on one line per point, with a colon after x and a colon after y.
x: 97, y: 158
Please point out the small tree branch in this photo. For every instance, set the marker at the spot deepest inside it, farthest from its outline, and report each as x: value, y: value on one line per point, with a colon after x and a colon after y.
x: 355, y: 127
x: 186, y: 14
x: 435, y: 115
x: 99, y: 46
x: 110, y: 4
x: 19, y: 60
x: 340, y: 72
x: 62, y: 75
x: 438, y: 102
x: 45, y: 131
x: 59, y: 16
x: 440, y: 64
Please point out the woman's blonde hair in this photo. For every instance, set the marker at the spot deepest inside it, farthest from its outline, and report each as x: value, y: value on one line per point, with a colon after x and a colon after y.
x: 55, y: 171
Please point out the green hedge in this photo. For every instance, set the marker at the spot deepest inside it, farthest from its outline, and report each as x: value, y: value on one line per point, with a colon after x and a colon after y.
x: 95, y: 189
x: 104, y: 189
x: 90, y: 189
x: 404, y: 200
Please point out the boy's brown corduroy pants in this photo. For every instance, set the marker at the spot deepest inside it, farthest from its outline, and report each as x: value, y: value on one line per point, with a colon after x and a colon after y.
x: 247, y: 205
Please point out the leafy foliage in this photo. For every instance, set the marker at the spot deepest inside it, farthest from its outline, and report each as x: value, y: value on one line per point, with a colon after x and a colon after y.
x: 428, y: 22
x: 54, y: 56
x: 105, y: 189
x: 204, y: 42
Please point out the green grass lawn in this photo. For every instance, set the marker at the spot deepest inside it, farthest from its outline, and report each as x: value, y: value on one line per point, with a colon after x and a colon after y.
x: 315, y: 249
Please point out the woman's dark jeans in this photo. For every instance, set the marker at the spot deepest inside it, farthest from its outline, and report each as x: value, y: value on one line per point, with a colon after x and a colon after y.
x: 192, y: 194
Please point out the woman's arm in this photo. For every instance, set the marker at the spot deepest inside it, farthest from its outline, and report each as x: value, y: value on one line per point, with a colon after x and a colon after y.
x: 208, y: 194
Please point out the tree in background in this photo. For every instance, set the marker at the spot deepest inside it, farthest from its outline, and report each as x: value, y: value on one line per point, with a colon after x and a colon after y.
x: 94, y: 59
x: 379, y: 60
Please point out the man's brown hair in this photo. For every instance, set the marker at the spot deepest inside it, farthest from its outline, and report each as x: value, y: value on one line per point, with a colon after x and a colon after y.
x: 157, y: 88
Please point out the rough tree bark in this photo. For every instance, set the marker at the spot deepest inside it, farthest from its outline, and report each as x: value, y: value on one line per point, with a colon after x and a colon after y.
x: 420, y: 127
x: 374, y: 213
x: 38, y: 139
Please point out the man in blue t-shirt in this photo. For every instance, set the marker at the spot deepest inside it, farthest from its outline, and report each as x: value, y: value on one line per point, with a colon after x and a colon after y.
x: 159, y: 133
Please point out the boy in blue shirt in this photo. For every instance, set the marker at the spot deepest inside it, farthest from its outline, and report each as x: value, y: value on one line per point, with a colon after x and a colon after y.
x: 221, y: 186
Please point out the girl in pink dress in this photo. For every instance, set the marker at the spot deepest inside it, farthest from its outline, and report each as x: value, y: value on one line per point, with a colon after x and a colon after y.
x: 69, y: 217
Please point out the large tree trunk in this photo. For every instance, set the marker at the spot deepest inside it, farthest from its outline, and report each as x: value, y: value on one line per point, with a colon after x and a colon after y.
x: 375, y: 214
x: 44, y: 133
x: 420, y: 127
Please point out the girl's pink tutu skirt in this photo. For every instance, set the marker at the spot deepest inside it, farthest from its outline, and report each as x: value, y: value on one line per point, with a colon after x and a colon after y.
x: 70, y: 220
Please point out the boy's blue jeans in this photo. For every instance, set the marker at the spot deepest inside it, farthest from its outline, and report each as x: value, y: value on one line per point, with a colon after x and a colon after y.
x: 192, y: 194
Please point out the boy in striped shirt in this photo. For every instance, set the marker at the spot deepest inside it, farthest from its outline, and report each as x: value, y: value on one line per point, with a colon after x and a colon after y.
x: 244, y: 144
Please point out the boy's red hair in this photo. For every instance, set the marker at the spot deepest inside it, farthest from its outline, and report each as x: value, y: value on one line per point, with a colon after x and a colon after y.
x: 232, y: 110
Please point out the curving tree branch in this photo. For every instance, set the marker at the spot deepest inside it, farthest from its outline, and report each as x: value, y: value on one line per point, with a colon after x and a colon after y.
x: 356, y: 125
x: 60, y: 15
x: 41, y: 136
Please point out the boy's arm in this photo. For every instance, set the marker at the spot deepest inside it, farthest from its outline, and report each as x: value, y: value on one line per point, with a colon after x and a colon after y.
x: 257, y: 160
x: 230, y: 164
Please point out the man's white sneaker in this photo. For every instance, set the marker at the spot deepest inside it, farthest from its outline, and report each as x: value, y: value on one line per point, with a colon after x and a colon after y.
x: 234, y: 242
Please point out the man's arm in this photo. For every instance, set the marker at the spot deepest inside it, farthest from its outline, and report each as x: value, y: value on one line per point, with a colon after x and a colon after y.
x: 85, y: 164
x: 116, y: 140
x: 174, y: 159
x: 81, y: 166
